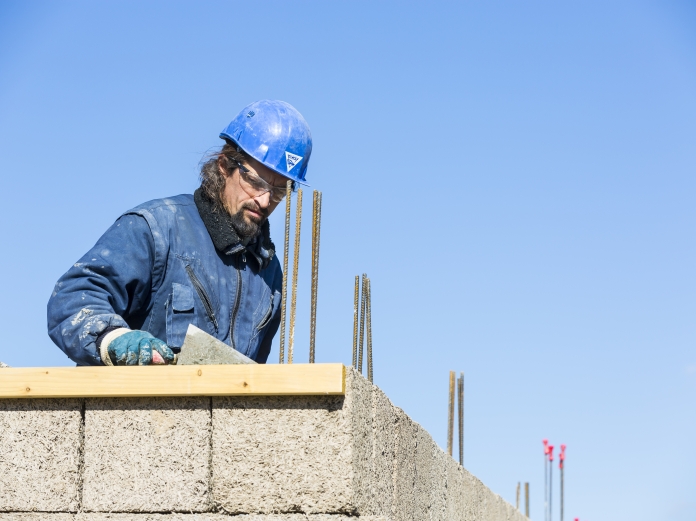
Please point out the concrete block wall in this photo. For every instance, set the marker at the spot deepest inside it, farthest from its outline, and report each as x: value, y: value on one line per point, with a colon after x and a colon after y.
x: 273, y: 458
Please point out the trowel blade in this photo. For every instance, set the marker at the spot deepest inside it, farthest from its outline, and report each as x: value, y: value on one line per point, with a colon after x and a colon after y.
x: 200, y: 348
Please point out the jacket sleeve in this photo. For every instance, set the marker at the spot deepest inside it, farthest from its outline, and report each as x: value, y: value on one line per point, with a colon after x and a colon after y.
x: 109, y: 284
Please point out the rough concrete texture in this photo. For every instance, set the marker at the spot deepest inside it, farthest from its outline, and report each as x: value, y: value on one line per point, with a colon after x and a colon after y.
x: 181, y: 517
x: 214, y: 517
x: 317, y: 458
x: 438, y: 480
x: 384, y: 431
x: 293, y: 454
x: 260, y: 449
x: 404, y: 467
x: 424, y: 474
x: 147, y: 455
x: 33, y: 516
x: 456, y: 504
x: 306, y: 517
x: 357, y: 413
x: 40, y: 455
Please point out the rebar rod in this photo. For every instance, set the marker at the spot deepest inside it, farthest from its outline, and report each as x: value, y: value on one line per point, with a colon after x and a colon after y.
x: 526, y: 499
x: 517, y: 501
x: 362, y: 324
x: 284, y: 294
x: 356, y: 297
x: 316, y: 233
x: 450, y: 415
x: 295, y: 269
x: 460, y: 389
x: 311, y: 298
x: 369, y: 329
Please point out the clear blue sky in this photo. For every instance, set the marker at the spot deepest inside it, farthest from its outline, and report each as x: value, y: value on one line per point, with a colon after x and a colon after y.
x: 517, y: 178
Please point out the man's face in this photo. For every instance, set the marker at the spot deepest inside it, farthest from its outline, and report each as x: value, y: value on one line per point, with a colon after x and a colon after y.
x: 248, y: 208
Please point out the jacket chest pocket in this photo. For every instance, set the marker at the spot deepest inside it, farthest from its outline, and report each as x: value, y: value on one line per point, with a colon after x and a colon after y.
x: 180, y: 313
x: 268, y: 309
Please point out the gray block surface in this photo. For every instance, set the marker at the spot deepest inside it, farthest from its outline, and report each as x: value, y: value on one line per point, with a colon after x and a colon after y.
x: 280, y: 454
x: 207, y: 517
x: 304, y: 517
x: 99, y: 516
x: 40, y: 444
x: 147, y: 455
x: 438, y: 481
x: 423, y: 471
x: 307, y: 454
x: 270, y: 458
x: 35, y: 516
x: 404, y: 467
x: 357, y: 412
x: 384, y: 433
x: 456, y: 506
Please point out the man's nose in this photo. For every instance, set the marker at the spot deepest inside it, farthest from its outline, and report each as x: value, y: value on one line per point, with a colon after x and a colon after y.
x: 264, y: 199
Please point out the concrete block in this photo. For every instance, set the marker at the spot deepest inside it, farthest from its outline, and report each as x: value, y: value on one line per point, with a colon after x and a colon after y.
x: 147, y: 455
x: 491, y: 504
x: 404, y: 467
x: 438, y: 480
x: 430, y: 487
x: 35, y: 516
x: 304, y: 517
x: 464, y: 494
x: 512, y: 513
x: 455, y: 506
x: 475, y: 497
x: 288, y: 454
x: 40, y: 442
x: 500, y: 509
x: 358, y: 413
x: 384, y: 427
x: 424, y: 460
x: 100, y: 516
x: 203, y: 517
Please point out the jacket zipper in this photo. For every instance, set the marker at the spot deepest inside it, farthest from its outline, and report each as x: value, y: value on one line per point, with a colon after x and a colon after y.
x: 235, y: 310
x: 203, y: 296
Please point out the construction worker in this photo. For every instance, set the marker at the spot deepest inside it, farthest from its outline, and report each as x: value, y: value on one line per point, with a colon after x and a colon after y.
x: 205, y: 259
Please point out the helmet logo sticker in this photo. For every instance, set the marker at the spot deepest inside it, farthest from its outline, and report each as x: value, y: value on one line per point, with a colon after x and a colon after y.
x: 291, y: 160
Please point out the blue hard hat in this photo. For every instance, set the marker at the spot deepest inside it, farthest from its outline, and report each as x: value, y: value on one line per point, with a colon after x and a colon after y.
x: 275, y: 134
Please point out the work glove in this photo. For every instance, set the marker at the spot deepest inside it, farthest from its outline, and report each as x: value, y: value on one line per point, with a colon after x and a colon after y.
x: 126, y: 347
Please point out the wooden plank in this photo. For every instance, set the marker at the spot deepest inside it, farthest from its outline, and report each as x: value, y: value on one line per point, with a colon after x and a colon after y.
x: 172, y: 380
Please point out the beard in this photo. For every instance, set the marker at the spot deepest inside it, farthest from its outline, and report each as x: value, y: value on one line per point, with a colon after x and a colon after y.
x: 245, y: 226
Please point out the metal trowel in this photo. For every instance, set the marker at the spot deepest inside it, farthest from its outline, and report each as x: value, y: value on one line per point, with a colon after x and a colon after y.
x: 200, y: 348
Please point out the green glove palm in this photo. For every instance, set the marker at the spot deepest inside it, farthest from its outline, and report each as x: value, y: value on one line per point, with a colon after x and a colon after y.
x: 138, y: 348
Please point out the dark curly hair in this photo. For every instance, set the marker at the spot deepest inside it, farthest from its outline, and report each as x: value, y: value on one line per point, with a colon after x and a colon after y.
x: 215, y: 169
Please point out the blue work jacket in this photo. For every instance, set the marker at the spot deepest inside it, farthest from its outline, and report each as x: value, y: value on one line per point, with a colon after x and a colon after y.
x: 156, y: 269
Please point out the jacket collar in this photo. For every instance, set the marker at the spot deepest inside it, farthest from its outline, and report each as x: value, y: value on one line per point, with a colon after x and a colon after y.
x: 225, y: 237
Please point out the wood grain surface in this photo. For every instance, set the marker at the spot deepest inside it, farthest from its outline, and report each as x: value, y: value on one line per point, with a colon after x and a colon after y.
x: 172, y: 380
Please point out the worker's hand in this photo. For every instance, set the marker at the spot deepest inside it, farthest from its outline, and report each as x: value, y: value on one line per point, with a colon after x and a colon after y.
x: 138, y: 348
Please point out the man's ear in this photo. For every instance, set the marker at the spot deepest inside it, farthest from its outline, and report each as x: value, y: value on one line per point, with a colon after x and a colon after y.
x: 221, y: 169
